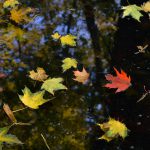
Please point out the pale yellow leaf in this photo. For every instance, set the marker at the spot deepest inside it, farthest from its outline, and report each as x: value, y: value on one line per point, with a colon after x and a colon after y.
x: 68, y: 63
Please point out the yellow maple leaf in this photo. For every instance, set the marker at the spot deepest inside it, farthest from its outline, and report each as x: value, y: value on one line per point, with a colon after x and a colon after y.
x: 56, y: 36
x: 113, y: 129
x: 20, y: 15
x: 32, y: 100
x: 68, y: 40
x: 10, y: 3
x: 40, y: 75
x: 146, y: 6
x: 68, y: 63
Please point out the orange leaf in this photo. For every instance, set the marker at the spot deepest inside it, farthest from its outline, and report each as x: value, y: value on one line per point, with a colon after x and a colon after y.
x: 120, y: 82
x: 81, y: 76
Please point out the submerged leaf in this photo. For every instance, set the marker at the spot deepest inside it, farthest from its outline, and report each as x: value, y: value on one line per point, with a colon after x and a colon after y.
x: 81, y: 76
x: 53, y: 84
x: 68, y: 40
x: 20, y: 15
x: 121, y: 82
x: 133, y: 11
x: 40, y: 75
x: 10, y: 3
x: 113, y: 129
x: 56, y: 36
x: 32, y: 100
x: 8, y: 138
x: 68, y: 63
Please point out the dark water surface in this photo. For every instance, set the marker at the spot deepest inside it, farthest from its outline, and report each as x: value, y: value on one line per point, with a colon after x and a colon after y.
x: 104, y: 40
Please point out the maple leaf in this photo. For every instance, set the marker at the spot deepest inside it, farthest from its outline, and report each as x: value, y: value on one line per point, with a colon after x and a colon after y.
x: 40, y: 75
x: 56, y: 36
x: 53, y: 84
x: 113, y: 129
x: 121, y: 81
x: 146, y: 6
x: 20, y: 15
x: 133, y: 11
x: 10, y: 3
x: 68, y: 63
x: 81, y: 76
x: 68, y: 40
x: 8, y: 138
x: 32, y: 100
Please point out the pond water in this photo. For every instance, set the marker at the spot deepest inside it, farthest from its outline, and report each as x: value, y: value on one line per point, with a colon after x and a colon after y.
x: 104, y: 41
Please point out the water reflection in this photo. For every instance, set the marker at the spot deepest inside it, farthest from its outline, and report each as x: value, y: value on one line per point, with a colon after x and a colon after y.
x: 69, y: 121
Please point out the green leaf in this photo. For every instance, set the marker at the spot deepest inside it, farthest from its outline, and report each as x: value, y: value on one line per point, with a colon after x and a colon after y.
x: 32, y: 100
x: 68, y: 63
x: 8, y: 138
x: 133, y: 11
x: 53, y: 84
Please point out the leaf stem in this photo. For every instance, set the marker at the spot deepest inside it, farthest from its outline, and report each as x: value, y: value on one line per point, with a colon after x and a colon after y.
x: 19, y: 109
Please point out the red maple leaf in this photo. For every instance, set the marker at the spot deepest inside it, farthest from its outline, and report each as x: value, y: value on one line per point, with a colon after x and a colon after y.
x: 120, y: 82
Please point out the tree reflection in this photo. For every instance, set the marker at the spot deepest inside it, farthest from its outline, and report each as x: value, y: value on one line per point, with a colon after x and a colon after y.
x: 68, y: 122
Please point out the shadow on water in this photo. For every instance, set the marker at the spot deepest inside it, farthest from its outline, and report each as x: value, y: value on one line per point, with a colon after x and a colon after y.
x: 104, y: 40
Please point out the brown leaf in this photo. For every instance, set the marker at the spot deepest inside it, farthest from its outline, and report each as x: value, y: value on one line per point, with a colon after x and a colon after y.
x: 9, y: 112
x: 40, y: 75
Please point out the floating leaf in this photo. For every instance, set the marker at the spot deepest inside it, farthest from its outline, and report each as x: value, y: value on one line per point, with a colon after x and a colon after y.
x: 146, y: 6
x: 133, y: 11
x: 20, y: 15
x: 121, y: 81
x: 81, y: 76
x: 113, y: 129
x: 9, y: 112
x: 141, y: 49
x: 53, y: 84
x: 40, y: 75
x: 32, y: 100
x: 8, y: 138
x: 56, y: 36
x: 10, y: 3
x: 68, y: 40
x: 68, y: 63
